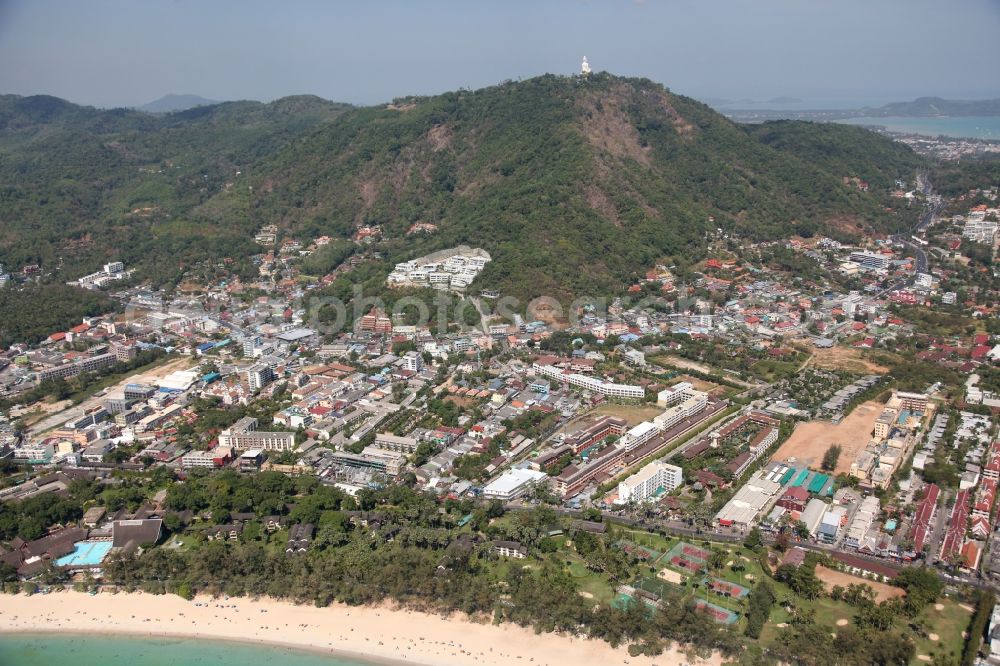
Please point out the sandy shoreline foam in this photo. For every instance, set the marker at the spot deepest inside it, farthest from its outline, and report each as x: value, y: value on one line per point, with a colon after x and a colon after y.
x: 373, y: 634
x: 332, y: 653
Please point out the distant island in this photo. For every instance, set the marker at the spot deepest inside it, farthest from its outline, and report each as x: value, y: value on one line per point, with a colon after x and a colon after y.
x: 923, y: 107
x: 935, y: 106
x: 170, y: 103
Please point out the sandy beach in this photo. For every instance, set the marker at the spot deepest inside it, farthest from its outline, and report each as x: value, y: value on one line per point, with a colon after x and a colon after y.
x: 373, y: 633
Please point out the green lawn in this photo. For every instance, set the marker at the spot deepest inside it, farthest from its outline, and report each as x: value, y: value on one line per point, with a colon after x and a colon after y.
x: 771, y: 371
x: 277, y: 542
x: 948, y: 624
x: 588, y: 581
x: 827, y: 612
x: 648, y: 539
x: 185, y: 540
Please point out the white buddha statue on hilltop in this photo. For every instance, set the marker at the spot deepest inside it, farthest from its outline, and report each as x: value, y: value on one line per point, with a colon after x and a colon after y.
x: 584, y: 67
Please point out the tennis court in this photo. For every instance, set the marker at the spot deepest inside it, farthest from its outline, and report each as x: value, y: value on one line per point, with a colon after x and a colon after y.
x: 635, y: 550
x: 686, y: 557
x: 717, y: 613
x: 727, y: 589
x: 655, y: 586
x: 85, y: 554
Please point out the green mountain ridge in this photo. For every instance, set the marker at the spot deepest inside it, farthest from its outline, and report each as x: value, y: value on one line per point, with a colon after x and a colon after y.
x: 574, y: 185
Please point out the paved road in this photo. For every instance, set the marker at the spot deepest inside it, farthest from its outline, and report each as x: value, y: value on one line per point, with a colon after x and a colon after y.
x: 905, y: 239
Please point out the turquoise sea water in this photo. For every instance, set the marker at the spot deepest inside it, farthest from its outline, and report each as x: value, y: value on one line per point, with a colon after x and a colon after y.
x: 972, y: 127
x: 97, y: 650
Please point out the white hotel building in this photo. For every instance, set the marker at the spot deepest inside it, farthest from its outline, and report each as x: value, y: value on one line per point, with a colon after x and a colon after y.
x: 639, y: 435
x: 454, y: 269
x: 674, y: 394
x: 696, y: 401
x: 643, y: 484
x: 979, y: 229
x: 590, y: 383
x: 870, y: 260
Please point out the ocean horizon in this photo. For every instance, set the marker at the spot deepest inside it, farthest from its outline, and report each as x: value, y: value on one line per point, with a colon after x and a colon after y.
x: 961, y: 127
x: 100, y: 649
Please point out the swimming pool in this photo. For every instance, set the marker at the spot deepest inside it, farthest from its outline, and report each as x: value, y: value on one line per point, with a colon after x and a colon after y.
x: 85, y: 554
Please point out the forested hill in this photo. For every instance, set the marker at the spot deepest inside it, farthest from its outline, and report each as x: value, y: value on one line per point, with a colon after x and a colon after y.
x: 573, y: 184
x: 79, y: 185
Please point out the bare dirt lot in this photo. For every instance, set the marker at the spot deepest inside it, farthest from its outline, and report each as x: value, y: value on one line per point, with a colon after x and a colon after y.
x: 57, y: 416
x: 671, y: 576
x: 678, y: 362
x: 831, y: 577
x: 670, y: 361
x: 159, y: 372
x: 811, y: 439
x: 710, y: 388
x: 845, y: 358
x: 460, y: 401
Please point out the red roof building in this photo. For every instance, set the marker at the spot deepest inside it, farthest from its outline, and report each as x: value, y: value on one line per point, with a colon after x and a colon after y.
x: 970, y: 554
x: 794, y: 499
x: 979, y: 352
x: 954, y: 538
x: 924, y: 515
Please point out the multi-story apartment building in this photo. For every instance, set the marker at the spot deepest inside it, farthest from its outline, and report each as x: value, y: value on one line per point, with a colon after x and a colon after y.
x: 389, y: 463
x: 915, y: 402
x: 412, y: 361
x: 87, y: 364
x: 244, y: 435
x: 977, y: 228
x: 258, y: 376
x: 645, y: 483
x: 640, y: 434
x: 124, y: 353
x: 883, y: 424
x: 674, y: 394
x: 626, y: 391
x: 573, y: 479
x: 390, y: 442
x: 694, y: 403
x: 376, y: 321
x: 870, y: 260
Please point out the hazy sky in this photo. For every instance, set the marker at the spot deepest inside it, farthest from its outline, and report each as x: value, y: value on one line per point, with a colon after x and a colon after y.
x: 128, y: 52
